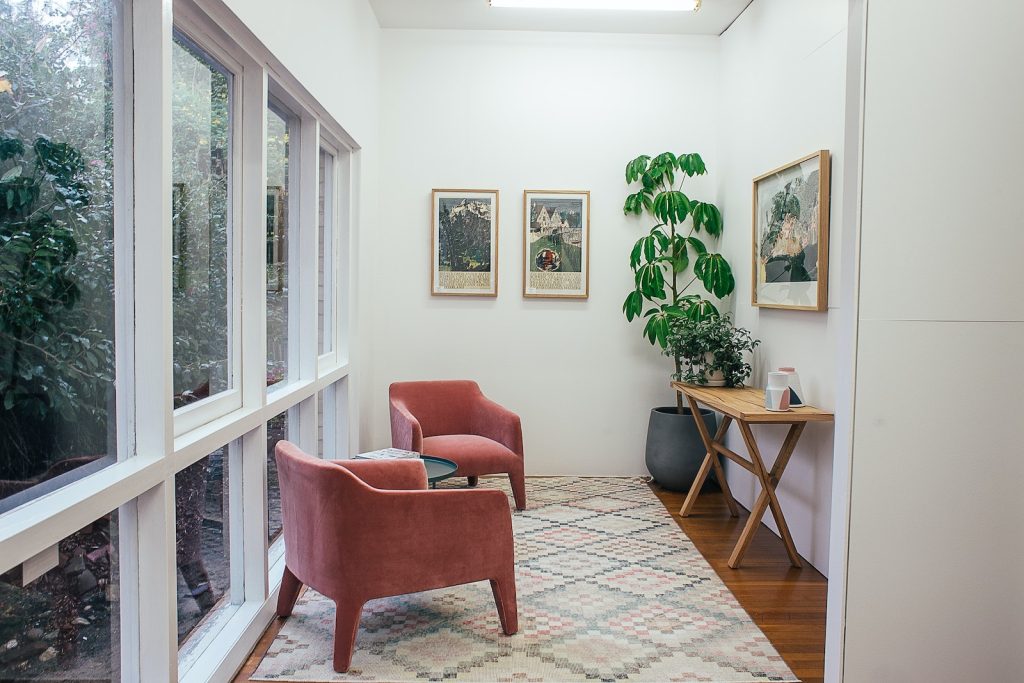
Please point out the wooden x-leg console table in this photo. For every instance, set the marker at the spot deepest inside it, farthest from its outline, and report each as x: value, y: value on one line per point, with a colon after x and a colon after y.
x: 745, y: 406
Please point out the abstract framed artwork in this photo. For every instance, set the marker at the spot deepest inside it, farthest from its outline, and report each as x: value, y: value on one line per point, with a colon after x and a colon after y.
x: 556, y: 244
x: 464, y: 243
x: 790, y: 245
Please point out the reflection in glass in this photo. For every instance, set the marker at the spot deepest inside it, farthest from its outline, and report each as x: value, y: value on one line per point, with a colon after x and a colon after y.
x: 56, y: 244
x: 325, y: 240
x: 278, y: 130
x: 277, y: 430
x: 65, y: 624
x: 202, y: 545
x: 201, y: 207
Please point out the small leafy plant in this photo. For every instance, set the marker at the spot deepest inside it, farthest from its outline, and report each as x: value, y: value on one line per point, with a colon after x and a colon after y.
x: 708, y: 347
x: 672, y: 257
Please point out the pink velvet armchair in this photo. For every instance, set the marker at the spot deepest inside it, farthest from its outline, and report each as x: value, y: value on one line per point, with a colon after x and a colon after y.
x: 356, y: 530
x: 453, y: 419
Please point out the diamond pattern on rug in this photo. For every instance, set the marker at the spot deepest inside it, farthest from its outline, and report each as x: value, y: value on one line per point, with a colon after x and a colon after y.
x: 610, y: 589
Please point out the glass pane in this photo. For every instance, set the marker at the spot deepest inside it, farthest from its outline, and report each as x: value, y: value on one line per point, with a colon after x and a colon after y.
x: 277, y: 430
x: 65, y: 624
x: 203, y: 550
x: 200, y: 204
x: 56, y: 243
x: 325, y: 252
x: 278, y: 130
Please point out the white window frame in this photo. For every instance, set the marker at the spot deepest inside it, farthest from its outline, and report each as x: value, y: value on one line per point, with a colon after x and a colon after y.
x: 152, y: 443
x: 222, y: 50
x: 291, y: 110
x: 329, y: 357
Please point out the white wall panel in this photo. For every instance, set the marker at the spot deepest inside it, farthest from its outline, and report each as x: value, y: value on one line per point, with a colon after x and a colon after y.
x: 517, y: 111
x: 936, y: 549
x: 783, y: 97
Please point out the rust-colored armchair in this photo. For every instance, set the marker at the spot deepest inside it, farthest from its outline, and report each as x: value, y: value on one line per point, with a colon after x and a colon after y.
x: 355, y: 530
x: 453, y: 419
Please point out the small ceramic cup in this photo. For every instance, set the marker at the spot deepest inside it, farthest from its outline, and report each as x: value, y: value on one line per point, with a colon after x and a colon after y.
x: 776, y: 395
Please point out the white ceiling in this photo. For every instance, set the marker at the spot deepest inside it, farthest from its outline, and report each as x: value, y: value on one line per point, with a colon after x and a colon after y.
x: 713, y: 18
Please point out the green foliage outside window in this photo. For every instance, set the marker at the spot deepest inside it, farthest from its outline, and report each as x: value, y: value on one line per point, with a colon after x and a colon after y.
x: 56, y: 234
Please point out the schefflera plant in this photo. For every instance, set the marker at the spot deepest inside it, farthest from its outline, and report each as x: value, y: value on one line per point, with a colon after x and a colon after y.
x: 672, y: 257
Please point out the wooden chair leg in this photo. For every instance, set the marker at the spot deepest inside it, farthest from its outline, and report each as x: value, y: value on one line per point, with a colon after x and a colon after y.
x: 345, y: 630
x: 289, y: 593
x: 504, y: 590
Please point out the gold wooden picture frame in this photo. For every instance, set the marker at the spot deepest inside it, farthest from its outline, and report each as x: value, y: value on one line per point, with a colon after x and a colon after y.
x: 556, y: 244
x: 789, y: 262
x: 464, y: 242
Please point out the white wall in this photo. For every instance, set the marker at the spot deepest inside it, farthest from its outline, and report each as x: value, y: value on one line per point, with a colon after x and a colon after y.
x: 936, y: 551
x: 333, y: 48
x: 782, y: 74
x: 517, y: 111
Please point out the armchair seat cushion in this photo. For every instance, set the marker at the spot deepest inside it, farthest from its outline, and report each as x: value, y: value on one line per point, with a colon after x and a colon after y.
x: 476, y: 455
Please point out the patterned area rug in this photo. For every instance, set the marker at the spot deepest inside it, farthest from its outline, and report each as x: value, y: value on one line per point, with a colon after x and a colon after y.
x: 610, y: 589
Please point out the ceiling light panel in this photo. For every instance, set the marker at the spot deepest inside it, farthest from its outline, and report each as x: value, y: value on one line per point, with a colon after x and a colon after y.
x: 634, y: 5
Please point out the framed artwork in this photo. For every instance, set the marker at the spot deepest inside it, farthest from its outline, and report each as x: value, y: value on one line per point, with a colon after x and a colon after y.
x: 790, y: 259
x: 464, y: 243
x: 556, y: 244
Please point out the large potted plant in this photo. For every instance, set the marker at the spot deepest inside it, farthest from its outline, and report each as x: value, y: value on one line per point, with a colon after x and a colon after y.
x: 675, y: 274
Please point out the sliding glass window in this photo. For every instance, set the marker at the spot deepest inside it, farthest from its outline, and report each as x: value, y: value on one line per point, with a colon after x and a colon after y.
x: 129, y: 223
x: 325, y: 254
x: 57, y: 203
x: 281, y: 138
x: 201, y: 203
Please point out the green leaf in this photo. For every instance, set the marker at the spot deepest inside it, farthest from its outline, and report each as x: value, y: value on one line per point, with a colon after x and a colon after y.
x: 660, y: 236
x: 12, y: 174
x: 715, y: 274
x: 697, y: 245
x: 650, y: 248
x: 701, y: 309
x: 636, y: 168
x: 634, y: 256
x: 665, y: 160
x: 650, y: 280
x: 680, y: 257
x: 634, y: 204
x: 692, y: 164
x: 671, y: 206
x: 633, y: 305
x: 708, y: 217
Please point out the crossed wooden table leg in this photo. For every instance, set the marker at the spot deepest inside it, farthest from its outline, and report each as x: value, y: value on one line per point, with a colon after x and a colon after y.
x: 769, y: 479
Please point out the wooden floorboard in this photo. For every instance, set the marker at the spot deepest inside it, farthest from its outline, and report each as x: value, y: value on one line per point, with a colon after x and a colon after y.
x: 788, y: 604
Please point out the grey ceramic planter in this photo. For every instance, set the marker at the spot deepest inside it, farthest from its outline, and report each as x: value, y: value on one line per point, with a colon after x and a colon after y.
x: 674, y: 447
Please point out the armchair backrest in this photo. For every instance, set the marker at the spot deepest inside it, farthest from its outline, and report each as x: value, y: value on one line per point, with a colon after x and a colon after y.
x: 440, y: 406
x: 318, y: 498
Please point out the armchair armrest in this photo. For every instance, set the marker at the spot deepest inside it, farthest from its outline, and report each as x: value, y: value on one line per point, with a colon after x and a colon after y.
x: 399, y: 474
x: 499, y: 424
x: 406, y: 432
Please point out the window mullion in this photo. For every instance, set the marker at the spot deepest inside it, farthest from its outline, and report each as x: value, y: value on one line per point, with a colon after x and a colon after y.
x: 153, y: 351
x: 253, y: 276
x: 304, y: 251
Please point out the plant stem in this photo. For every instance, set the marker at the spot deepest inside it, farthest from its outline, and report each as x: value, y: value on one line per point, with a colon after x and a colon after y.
x: 675, y: 302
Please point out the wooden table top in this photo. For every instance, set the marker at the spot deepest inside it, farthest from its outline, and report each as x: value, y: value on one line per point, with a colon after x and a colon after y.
x: 747, y: 404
